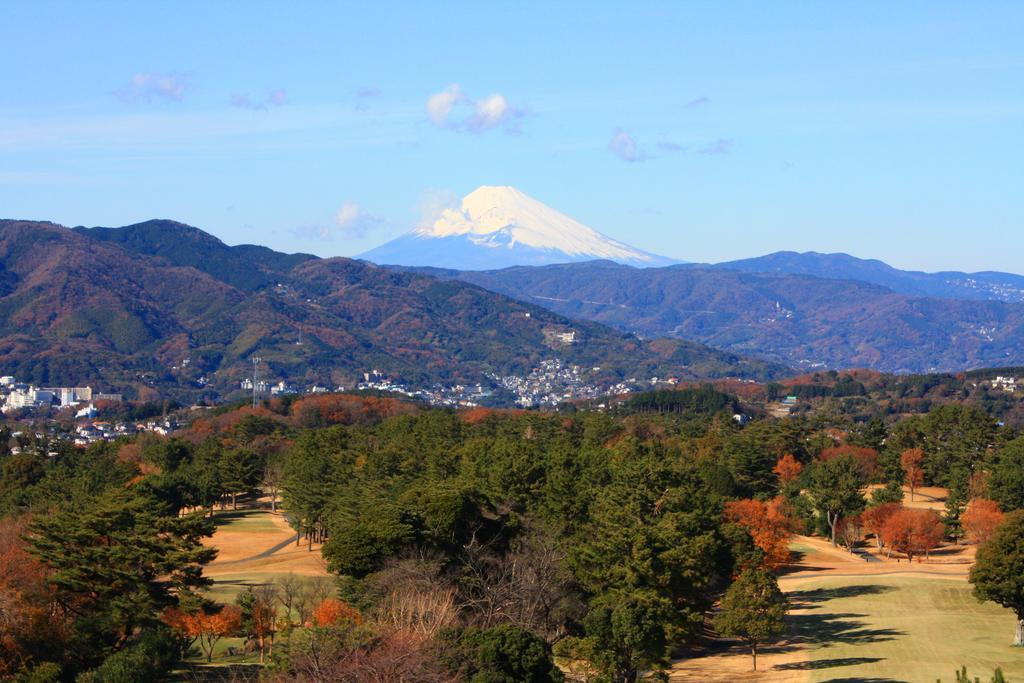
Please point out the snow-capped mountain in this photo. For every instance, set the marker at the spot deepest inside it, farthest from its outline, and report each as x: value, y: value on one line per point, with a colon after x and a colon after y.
x: 497, y: 227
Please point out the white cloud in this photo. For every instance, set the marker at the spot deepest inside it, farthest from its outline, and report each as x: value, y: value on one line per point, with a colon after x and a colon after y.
x: 348, y: 222
x: 155, y: 85
x: 440, y: 105
x: 347, y: 215
x: 453, y: 109
x: 624, y: 146
x: 433, y: 203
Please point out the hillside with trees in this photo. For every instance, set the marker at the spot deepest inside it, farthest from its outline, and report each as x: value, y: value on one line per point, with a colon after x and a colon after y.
x: 126, y: 308
x: 797, y: 319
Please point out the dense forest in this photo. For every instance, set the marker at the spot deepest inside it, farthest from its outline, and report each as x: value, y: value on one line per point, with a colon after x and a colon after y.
x: 473, y: 545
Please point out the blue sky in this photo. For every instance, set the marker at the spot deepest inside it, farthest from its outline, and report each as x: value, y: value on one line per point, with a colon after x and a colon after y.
x: 702, y: 131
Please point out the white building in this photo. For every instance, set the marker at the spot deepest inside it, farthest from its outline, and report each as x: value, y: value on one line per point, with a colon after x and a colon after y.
x: 1008, y: 384
x: 30, y: 397
x: 70, y: 396
x: 87, y: 412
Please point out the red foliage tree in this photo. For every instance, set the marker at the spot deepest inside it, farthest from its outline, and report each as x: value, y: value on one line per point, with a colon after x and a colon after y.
x: 867, y: 458
x: 332, y: 612
x: 913, y: 532
x: 981, y: 518
x: 206, y: 628
x: 29, y: 616
x: 788, y: 468
x: 874, y: 519
x: 770, y: 525
x: 912, y: 461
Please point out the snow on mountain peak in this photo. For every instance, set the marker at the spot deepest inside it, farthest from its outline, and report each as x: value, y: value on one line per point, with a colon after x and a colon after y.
x: 498, y: 227
x: 502, y: 216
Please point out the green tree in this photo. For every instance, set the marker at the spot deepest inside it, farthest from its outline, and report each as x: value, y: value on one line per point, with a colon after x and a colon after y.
x: 1006, y: 483
x: 146, y: 660
x: 955, y: 436
x: 753, y: 610
x: 117, y: 565
x: 310, y: 479
x: 998, y: 572
x: 501, y: 654
x: 834, y: 488
x: 240, y: 471
x: 625, y: 635
x: 956, y: 504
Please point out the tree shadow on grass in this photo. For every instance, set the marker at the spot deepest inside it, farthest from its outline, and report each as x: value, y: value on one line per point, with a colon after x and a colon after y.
x: 826, y: 663
x: 227, y: 516
x: 837, y: 628
x: 804, y: 599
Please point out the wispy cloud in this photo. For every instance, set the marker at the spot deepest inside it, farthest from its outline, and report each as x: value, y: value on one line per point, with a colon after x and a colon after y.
x: 716, y: 147
x: 629, y: 149
x: 698, y: 102
x: 155, y: 86
x: 624, y: 146
x: 453, y: 109
x: 433, y: 203
x: 348, y: 222
x: 274, y: 98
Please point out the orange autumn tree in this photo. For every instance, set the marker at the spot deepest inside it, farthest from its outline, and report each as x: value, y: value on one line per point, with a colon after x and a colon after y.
x: 30, y: 616
x: 913, y: 532
x: 912, y: 462
x: 875, y: 517
x: 788, y: 468
x: 769, y: 524
x: 205, y: 628
x: 981, y: 519
x: 332, y: 612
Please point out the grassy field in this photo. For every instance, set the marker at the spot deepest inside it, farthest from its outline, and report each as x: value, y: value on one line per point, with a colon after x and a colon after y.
x: 880, y: 628
x: 243, y: 521
x: 254, y: 547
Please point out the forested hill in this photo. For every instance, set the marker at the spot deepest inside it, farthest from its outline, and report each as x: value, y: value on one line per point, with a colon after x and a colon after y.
x: 124, y: 308
x: 799, y: 320
x: 246, y: 266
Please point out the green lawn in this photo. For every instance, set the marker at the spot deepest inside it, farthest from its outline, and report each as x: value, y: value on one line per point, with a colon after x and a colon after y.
x: 879, y: 629
x: 226, y: 587
x: 244, y: 521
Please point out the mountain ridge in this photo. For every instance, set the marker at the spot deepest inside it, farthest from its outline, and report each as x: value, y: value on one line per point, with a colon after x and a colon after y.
x: 80, y: 307
x: 799, y: 320
x: 983, y: 285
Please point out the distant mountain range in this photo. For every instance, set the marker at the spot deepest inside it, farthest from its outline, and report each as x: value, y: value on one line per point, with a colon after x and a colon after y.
x: 800, y: 320
x: 161, y: 305
x: 497, y: 227
x: 805, y: 310
x: 987, y: 285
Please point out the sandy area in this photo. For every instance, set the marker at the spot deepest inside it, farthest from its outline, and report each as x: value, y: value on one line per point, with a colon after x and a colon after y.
x: 261, y: 542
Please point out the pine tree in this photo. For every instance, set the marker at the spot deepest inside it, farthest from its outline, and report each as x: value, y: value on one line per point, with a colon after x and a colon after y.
x: 118, y: 565
x: 753, y: 610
